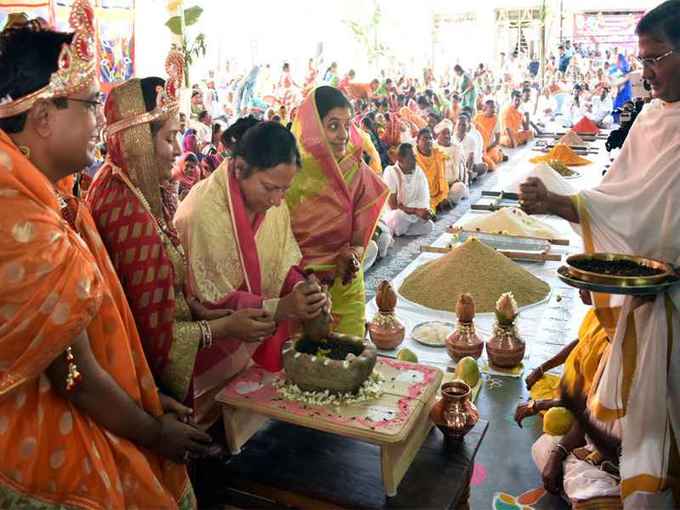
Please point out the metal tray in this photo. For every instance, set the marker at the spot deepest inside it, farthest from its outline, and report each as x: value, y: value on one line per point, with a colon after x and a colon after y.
x: 639, y: 290
x: 432, y: 343
x: 501, y: 242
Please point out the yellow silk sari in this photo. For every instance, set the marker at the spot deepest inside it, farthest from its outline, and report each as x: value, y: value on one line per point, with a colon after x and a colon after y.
x: 583, y: 359
x: 234, y: 265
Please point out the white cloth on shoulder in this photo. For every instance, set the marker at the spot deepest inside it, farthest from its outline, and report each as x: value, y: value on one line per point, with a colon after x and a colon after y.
x: 636, y: 211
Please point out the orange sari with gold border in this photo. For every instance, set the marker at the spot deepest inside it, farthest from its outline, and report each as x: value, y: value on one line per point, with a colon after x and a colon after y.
x: 57, y: 281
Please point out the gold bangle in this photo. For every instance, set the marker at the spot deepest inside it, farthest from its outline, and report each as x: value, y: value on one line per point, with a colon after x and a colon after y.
x: 206, y: 334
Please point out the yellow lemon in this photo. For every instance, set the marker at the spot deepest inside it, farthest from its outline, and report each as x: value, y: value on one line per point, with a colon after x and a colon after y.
x: 557, y: 421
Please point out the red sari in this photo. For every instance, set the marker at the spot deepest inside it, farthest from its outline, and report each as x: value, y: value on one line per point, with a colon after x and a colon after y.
x: 134, y: 218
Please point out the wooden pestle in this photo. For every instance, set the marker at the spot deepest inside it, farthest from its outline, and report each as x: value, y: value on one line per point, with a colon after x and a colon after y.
x: 319, y: 327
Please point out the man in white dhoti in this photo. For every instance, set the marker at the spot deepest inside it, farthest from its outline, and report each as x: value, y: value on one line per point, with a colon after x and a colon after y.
x: 409, y: 202
x: 572, y: 465
x: 636, y: 210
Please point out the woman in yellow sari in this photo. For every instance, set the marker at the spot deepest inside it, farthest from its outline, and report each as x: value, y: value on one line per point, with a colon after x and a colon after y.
x: 235, y: 230
x: 581, y: 358
x: 335, y: 202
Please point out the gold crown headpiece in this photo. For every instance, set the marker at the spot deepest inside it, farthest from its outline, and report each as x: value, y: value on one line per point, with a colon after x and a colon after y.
x: 76, y: 67
x: 167, y: 100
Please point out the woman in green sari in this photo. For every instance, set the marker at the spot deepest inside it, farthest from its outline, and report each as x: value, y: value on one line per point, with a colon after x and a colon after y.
x: 335, y: 202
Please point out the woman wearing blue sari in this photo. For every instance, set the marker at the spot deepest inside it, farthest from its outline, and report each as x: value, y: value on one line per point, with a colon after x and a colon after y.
x: 625, y: 89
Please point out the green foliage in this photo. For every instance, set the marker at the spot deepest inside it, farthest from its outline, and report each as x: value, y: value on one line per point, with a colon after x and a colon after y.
x: 367, y: 34
x: 191, y: 16
x: 191, y: 49
x: 194, y: 50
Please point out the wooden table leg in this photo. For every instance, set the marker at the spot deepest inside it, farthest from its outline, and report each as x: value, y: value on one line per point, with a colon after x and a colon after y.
x: 396, y: 458
x: 464, y: 502
x: 239, y: 426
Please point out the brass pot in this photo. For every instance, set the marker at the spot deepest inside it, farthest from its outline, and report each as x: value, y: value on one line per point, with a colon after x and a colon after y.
x: 505, y: 348
x: 311, y: 372
x: 455, y: 414
x: 464, y: 341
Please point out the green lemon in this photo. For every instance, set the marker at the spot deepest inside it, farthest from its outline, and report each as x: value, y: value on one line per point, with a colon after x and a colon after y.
x: 468, y: 371
x: 407, y: 355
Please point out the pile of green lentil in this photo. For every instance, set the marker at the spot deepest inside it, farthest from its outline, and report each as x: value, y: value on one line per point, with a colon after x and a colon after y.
x: 473, y: 268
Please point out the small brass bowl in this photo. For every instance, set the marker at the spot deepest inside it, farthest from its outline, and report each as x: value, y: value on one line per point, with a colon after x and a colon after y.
x: 620, y: 281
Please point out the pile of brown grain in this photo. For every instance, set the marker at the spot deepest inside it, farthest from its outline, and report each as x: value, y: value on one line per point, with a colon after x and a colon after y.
x: 572, y: 139
x: 473, y: 268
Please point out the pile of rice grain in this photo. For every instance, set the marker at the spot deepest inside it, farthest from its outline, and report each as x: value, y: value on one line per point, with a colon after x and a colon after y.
x: 555, y: 182
x: 473, y: 268
x: 509, y: 220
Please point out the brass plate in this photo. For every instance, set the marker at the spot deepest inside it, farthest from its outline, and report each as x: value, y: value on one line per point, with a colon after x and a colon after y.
x: 620, y: 281
x: 641, y: 290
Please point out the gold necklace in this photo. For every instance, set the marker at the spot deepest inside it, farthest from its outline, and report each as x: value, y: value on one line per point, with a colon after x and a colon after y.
x: 159, y: 223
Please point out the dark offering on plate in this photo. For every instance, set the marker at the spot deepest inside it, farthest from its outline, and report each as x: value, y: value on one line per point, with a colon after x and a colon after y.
x: 618, y: 269
x: 629, y: 290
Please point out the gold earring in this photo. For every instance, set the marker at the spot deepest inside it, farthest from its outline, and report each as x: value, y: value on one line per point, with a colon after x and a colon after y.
x: 25, y: 150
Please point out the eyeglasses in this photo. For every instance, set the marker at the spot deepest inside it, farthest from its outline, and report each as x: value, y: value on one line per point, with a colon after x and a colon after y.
x: 93, y: 104
x: 653, y: 61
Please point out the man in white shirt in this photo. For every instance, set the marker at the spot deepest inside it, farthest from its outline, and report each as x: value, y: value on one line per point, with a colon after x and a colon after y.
x: 601, y: 108
x: 527, y: 106
x: 203, y: 129
x: 211, y: 99
x: 545, y: 108
x: 409, y: 213
x: 473, y: 146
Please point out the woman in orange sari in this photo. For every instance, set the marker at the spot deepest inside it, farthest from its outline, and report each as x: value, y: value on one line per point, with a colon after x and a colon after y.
x: 81, y: 422
x: 335, y: 202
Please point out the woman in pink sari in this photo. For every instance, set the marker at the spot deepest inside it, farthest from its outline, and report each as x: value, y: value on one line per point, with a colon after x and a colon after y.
x: 335, y: 202
x: 235, y: 229
x: 186, y: 174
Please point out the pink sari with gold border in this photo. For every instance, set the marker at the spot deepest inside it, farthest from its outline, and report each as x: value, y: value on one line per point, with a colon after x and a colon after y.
x: 332, y: 204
